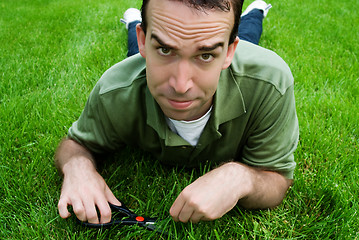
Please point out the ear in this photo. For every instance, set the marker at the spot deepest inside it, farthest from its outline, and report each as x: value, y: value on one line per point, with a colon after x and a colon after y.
x: 230, y: 53
x: 141, y: 40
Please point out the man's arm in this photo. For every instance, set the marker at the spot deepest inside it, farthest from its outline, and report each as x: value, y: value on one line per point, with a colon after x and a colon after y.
x: 218, y: 191
x: 83, y: 187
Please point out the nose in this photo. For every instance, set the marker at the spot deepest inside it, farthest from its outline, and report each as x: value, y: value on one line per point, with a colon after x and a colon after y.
x: 181, y: 79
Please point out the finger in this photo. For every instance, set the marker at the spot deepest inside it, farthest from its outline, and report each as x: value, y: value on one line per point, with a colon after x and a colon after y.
x: 90, y: 211
x: 111, y: 197
x: 62, y: 207
x: 185, y: 214
x: 79, y: 210
x: 105, y: 211
x: 176, y: 208
x: 196, y: 217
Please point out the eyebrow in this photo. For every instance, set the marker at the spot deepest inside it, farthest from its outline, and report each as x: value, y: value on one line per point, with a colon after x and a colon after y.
x: 154, y: 36
x: 211, y: 48
x: 203, y: 48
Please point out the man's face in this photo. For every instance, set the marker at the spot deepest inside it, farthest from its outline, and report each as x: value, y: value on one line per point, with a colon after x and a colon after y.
x: 185, y: 51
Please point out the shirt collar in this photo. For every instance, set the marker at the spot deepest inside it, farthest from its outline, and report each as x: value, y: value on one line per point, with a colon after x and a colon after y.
x: 228, y: 101
x: 157, y: 120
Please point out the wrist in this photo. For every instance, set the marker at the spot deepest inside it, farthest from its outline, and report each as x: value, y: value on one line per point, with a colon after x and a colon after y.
x: 79, y: 163
x: 244, y: 176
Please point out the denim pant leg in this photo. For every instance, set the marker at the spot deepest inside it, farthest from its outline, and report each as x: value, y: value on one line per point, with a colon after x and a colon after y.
x: 250, y: 27
x: 132, y: 39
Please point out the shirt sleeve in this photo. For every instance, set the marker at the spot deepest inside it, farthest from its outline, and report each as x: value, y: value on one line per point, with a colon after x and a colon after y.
x: 274, y: 135
x: 94, y: 128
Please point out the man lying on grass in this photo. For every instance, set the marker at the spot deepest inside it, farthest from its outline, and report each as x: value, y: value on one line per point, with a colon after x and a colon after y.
x: 194, y: 94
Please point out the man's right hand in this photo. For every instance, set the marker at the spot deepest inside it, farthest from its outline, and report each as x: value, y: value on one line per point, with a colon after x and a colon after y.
x: 83, y: 187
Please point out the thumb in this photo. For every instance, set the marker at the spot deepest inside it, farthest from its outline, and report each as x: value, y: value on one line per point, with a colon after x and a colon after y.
x: 111, y: 198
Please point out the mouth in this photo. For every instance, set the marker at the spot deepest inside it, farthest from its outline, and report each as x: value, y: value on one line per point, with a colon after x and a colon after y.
x: 180, y: 104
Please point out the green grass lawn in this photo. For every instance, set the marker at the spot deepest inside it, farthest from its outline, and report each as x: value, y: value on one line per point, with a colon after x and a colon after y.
x: 52, y: 53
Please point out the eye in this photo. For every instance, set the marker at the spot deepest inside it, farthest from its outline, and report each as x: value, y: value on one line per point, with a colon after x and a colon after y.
x: 206, y: 57
x: 164, y: 51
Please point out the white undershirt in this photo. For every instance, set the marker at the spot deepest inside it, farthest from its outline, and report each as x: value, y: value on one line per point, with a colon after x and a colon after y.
x: 189, y: 130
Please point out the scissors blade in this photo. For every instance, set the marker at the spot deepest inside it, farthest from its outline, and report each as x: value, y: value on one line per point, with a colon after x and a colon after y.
x: 154, y: 226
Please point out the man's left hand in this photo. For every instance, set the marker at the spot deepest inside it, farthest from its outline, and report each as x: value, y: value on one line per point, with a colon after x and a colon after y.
x: 212, y: 195
x: 218, y: 191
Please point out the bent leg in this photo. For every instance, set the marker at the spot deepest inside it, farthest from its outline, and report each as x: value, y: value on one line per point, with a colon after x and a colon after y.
x: 132, y: 39
x: 251, y: 26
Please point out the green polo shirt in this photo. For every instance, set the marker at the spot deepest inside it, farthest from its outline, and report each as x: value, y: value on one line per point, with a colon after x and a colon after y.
x: 253, y: 119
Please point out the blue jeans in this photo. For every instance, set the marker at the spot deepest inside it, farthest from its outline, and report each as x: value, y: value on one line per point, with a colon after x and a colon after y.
x: 250, y: 29
x: 132, y: 39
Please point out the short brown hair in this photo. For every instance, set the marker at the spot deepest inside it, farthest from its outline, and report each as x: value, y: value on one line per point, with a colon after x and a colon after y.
x: 202, y: 5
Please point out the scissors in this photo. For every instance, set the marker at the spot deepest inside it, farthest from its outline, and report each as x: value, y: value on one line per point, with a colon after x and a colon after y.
x: 124, y: 216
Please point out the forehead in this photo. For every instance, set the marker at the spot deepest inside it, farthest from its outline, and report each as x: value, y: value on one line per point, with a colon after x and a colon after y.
x: 177, y: 21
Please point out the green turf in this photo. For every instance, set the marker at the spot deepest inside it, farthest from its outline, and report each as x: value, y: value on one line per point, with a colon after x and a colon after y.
x: 53, y: 52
